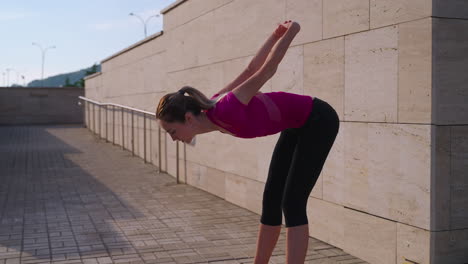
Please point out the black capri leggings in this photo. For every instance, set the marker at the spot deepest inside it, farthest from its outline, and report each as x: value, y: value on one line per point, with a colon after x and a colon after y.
x: 297, y: 161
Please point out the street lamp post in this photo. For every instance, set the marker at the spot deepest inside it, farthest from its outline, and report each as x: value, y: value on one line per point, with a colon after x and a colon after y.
x: 8, y: 76
x: 143, y: 21
x: 43, y: 56
x: 8, y: 70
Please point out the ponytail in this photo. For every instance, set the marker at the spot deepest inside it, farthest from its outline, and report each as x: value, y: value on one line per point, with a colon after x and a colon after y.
x: 199, y: 97
x: 173, y: 106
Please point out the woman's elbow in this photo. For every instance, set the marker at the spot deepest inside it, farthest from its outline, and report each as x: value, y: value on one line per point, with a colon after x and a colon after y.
x: 271, y: 71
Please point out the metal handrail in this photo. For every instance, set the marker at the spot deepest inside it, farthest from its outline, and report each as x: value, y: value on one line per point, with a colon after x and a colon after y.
x: 133, y: 110
x: 121, y: 106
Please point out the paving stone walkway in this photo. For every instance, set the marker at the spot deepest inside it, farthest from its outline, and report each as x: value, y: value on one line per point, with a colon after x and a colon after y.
x: 68, y: 197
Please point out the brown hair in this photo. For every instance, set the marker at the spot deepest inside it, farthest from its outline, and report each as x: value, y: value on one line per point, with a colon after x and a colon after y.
x: 173, y: 106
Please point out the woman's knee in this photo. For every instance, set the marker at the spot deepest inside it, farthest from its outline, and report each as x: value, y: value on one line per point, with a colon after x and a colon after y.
x: 295, y: 213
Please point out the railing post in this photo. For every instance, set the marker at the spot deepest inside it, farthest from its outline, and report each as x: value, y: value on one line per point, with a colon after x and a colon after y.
x: 144, y: 137
x: 99, y: 120
x: 159, y: 149
x: 113, y: 125
x: 122, y: 129
x: 94, y: 123
x: 94, y: 118
x: 151, y: 143
x: 89, y: 117
x: 177, y: 161
x: 107, y: 139
x: 84, y: 113
x: 133, y: 141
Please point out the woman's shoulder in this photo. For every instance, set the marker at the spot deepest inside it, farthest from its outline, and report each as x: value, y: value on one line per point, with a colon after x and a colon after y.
x: 216, y: 97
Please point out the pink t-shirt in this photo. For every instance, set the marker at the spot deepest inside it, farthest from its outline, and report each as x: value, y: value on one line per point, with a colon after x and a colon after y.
x: 266, y: 113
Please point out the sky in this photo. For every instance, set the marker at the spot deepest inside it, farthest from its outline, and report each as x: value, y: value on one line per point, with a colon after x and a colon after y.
x: 84, y: 32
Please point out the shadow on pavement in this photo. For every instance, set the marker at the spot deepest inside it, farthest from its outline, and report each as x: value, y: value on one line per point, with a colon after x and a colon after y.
x: 54, y: 206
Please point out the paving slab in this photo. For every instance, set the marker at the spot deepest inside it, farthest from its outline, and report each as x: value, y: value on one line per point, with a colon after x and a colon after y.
x: 67, y: 196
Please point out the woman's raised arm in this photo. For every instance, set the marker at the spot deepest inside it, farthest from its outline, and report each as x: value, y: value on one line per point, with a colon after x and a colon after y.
x: 246, y: 90
x: 259, y: 58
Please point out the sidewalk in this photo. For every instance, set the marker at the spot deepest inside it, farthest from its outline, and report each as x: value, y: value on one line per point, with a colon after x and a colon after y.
x: 67, y: 197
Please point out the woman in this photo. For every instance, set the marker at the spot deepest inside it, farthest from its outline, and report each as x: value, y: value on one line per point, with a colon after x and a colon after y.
x: 308, y: 129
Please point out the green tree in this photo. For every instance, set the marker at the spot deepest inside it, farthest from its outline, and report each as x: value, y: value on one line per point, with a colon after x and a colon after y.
x: 92, y: 70
x: 67, y: 83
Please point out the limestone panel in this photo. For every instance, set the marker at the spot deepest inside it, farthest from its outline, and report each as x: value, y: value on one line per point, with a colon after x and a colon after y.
x: 170, y: 158
x: 207, y: 179
x: 344, y: 17
x: 370, y: 238
x: 192, y: 44
x: 127, y: 143
x: 388, y: 171
x: 450, y: 247
x: 450, y: 61
x: 371, y: 75
x: 241, y: 27
x: 118, y: 80
x: 155, y: 142
x: 244, y: 192
x: 190, y: 10
x: 317, y: 191
x: 333, y: 173
x: 413, y: 244
x: 290, y: 73
x: 208, y: 79
x: 324, y: 72
x: 157, y: 45
x: 414, y: 159
x: 107, y: 65
x: 388, y: 12
x: 254, y: 196
x: 135, y: 75
x: 326, y: 221
x: 139, y: 51
x: 175, y: 57
x: 154, y: 77
x: 415, y: 72
x: 183, y: 166
x: 203, y: 151
x: 459, y: 177
x: 266, y: 146
x: 123, y: 59
x: 232, y: 151
x: 163, y: 152
x: 440, y: 178
x: 236, y: 189
x: 138, y: 136
x: 450, y: 8
x: 309, y: 15
x: 356, y: 156
x: 232, y: 69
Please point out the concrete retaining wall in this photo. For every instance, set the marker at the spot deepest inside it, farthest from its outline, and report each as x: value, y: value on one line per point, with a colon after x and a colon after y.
x: 27, y: 106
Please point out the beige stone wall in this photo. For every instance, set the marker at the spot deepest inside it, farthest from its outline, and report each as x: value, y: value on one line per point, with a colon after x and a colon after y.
x: 394, y: 186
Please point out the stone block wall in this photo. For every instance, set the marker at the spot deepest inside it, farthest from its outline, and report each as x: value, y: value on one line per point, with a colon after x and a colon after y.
x: 395, y: 186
